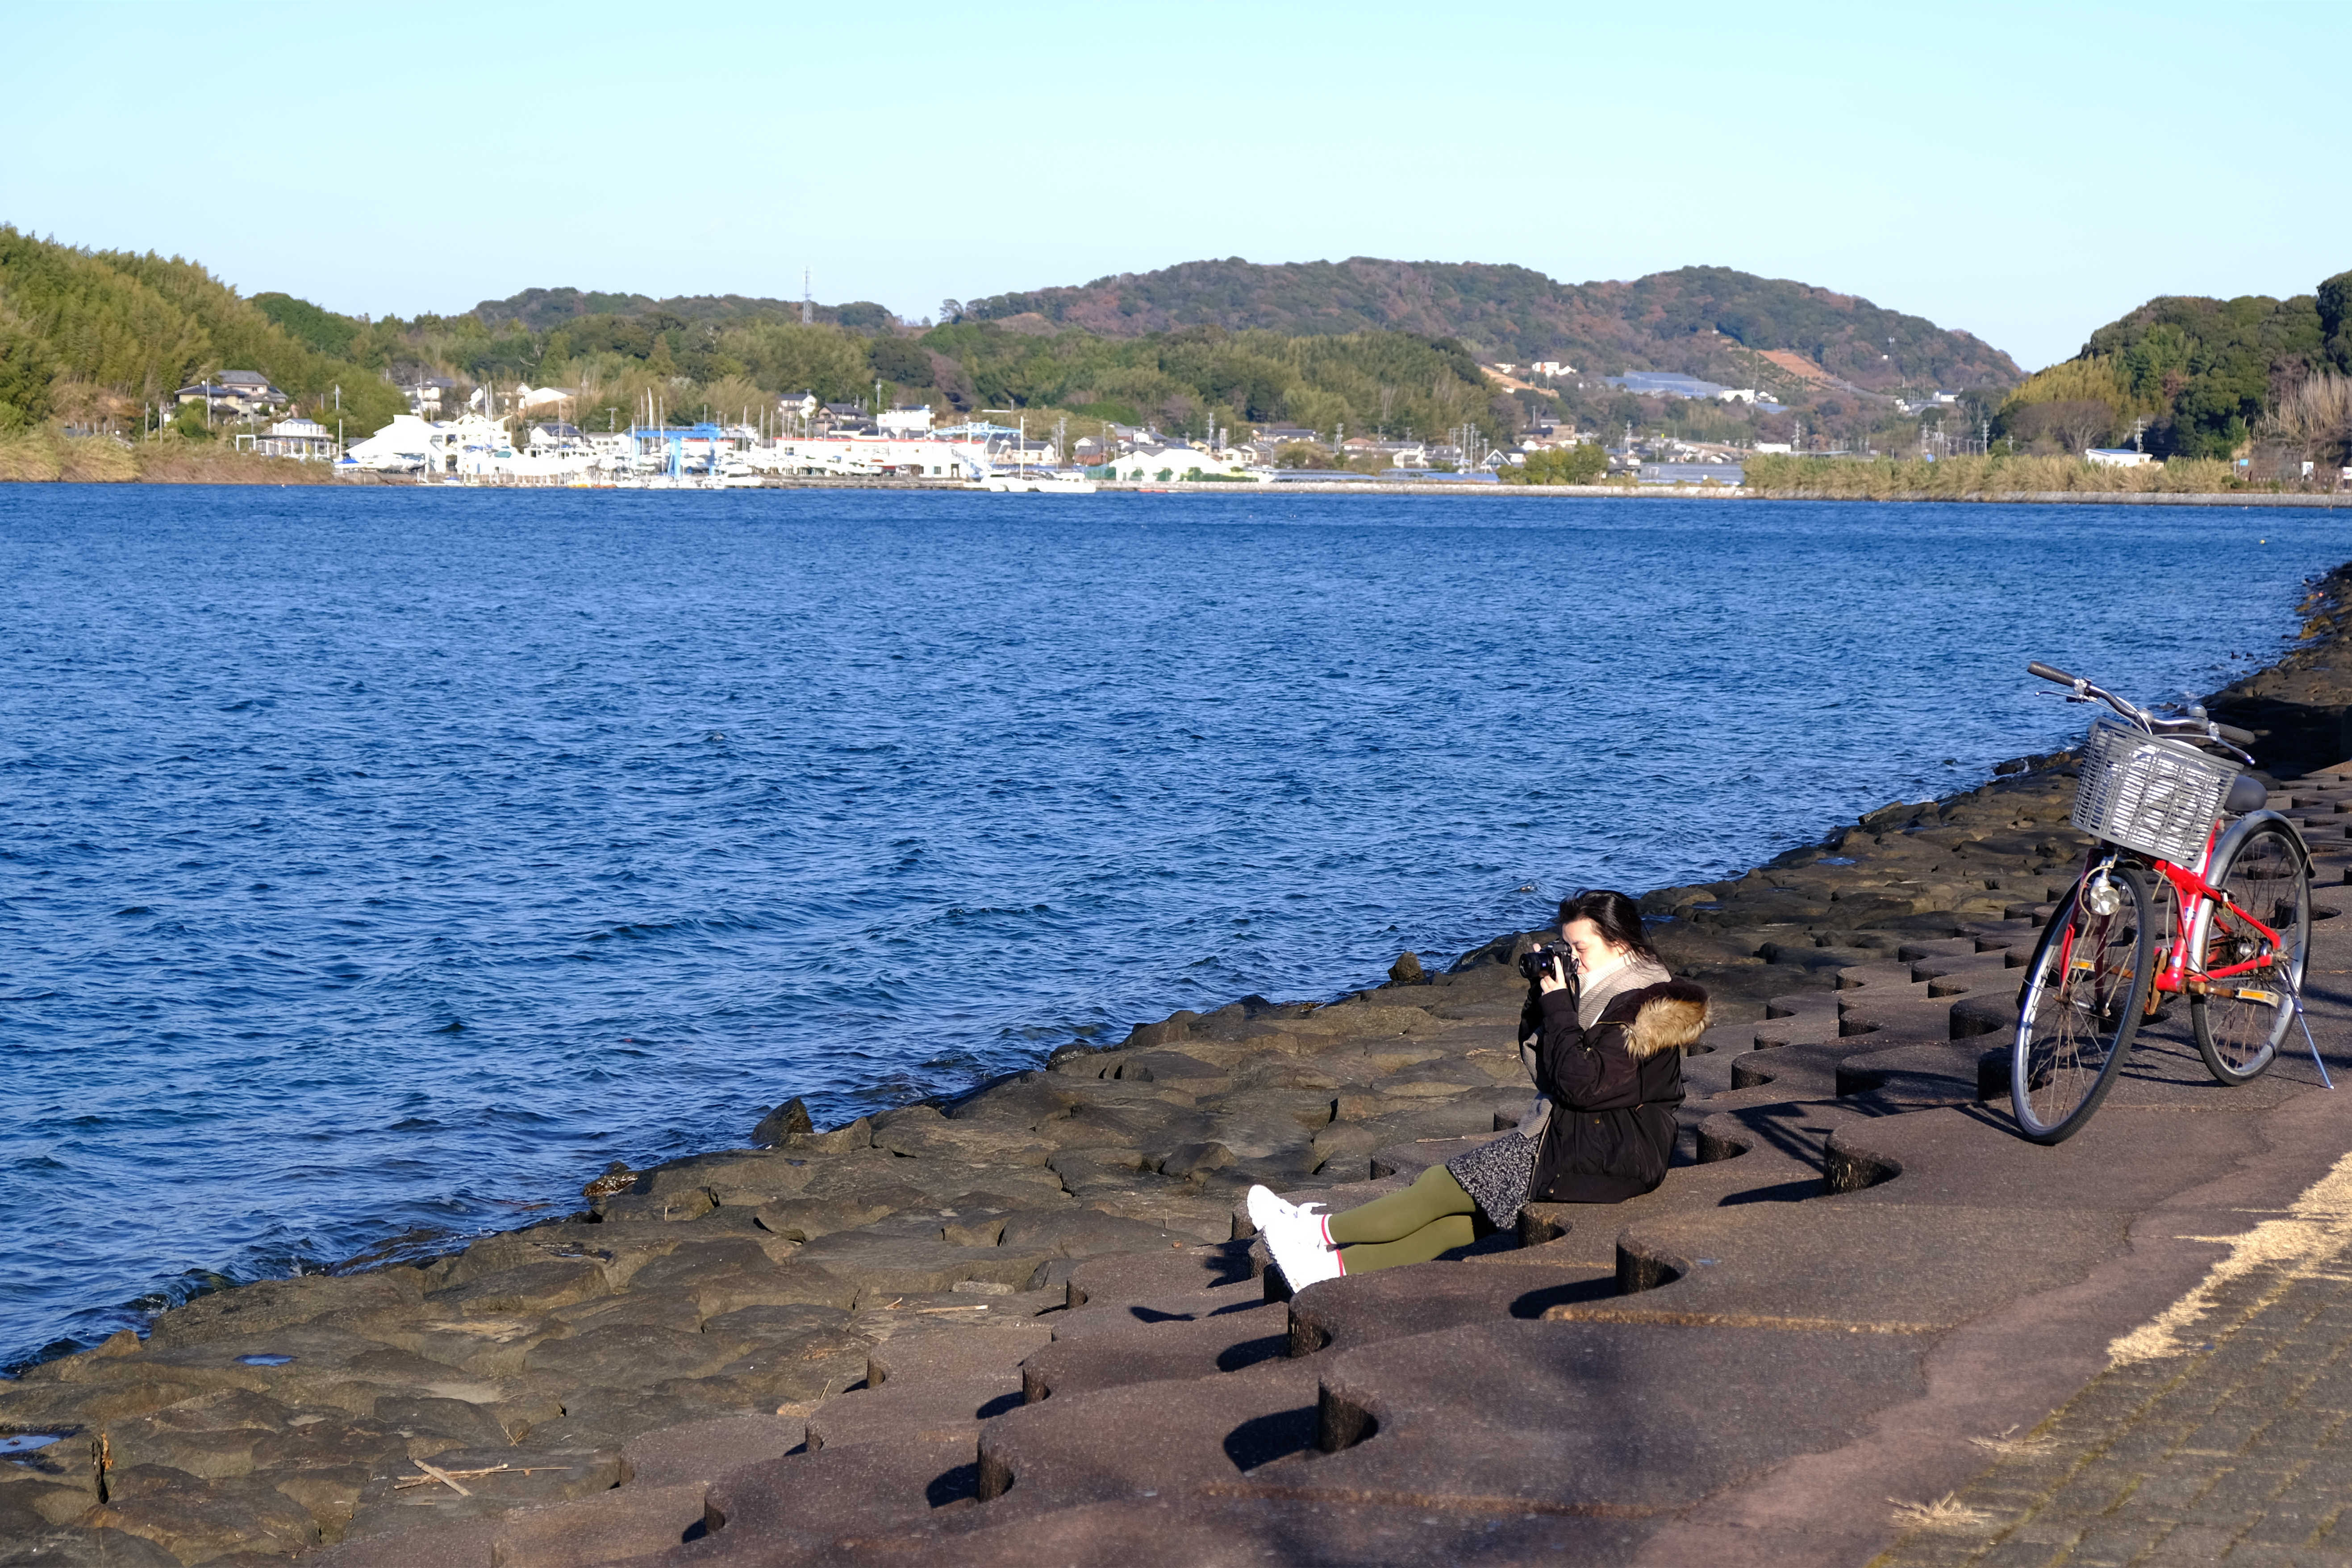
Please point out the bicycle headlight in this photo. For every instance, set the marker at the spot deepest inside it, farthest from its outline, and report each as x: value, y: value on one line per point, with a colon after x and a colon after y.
x: 2102, y: 898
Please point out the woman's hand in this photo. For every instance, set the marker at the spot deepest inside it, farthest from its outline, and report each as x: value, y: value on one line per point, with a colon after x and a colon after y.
x: 1552, y: 980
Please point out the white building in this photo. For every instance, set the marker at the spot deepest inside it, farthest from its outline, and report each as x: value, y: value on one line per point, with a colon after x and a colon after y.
x: 2125, y: 457
x: 1148, y: 464
x: 306, y: 440
x: 904, y: 423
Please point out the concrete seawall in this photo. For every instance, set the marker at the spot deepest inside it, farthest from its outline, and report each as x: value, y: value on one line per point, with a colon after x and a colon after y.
x: 1029, y: 1324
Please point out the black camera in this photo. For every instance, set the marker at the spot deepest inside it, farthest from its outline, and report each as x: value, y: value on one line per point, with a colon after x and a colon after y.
x: 1535, y: 963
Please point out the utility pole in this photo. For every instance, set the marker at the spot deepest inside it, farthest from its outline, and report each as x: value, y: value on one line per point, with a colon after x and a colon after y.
x: 808, y: 300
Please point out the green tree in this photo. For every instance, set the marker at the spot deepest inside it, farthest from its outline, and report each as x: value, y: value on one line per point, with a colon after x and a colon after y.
x: 26, y: 372
x: 900, y: 360
x: 1577, y: 465
x: 2335, y: 305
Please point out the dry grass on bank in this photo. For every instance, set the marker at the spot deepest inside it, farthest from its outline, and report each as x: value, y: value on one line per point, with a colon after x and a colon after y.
x: 41, y: 457
x: 1958, y: 479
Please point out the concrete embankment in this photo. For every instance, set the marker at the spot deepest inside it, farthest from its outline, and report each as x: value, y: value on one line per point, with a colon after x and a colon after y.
x: 1030, y: 1324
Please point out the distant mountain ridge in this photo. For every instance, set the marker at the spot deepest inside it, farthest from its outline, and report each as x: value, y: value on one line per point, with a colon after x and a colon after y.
x: 543, y: 310
x: 1710, y: 321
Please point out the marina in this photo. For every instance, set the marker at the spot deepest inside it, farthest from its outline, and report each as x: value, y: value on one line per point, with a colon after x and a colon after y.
x: 477, y: 448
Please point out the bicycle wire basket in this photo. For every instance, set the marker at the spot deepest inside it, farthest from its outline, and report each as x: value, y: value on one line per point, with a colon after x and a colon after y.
x: 2158, y: 797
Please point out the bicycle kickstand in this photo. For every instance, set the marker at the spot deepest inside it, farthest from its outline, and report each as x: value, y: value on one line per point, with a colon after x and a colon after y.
x: 2294, y: 990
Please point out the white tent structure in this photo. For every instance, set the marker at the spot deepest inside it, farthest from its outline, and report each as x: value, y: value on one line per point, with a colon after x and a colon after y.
x: 403, y: 446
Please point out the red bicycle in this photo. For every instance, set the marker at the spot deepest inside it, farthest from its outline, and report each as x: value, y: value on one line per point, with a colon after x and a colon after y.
x: 2159, y: 808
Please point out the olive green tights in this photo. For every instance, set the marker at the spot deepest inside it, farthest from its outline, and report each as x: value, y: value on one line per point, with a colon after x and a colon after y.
x: 1431, y: 1216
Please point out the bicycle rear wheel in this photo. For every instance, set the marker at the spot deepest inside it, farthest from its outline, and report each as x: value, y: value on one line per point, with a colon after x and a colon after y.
x: 2084, y: 992
x: 2241, y: 1018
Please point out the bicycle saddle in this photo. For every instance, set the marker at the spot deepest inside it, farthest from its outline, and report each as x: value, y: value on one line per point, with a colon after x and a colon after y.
x: 2247, y: 793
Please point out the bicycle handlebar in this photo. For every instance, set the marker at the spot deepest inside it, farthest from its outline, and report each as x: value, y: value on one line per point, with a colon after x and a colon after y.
x: 2201, y: 728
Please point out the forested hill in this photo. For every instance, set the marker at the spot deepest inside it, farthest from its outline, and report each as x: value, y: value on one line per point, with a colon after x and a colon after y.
x: 1701, y: 321
x: 543, y: 310
x: 98, y: 337
x: 2196, y: 377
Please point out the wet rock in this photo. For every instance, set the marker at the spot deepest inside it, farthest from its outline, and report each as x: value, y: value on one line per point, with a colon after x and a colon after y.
x: 82, y: 1548
x: 1174, y: 1070
x: 1027, y: 1100
x: 792, y: 1325
x: 1084, y: 1232
x: 253, y: 1309
x: 314, y: 1441
x: 1176, y: 1026
x: 908, y: 1265
x: 790, y: 1120
x: 406, y: 1416
x: 534, y: 1288
x: 1407, y: 970
x: 678, y: 1269
x: 1192, y: 1159
x: 857, y: 1135
x: 743, y: 1180
x: 671, y: 1208
x: 196, y: 1521
x: 805, y: 1219
x: 479, y: 1347
x: 494, y: 1479
x: 34, y: 1508
x: 211, y: 1455
x: 329, y: 1494
x: 933, y: 1137
x: 629, y: 1355
x: 70, y: 1462
x: 662, y: 1309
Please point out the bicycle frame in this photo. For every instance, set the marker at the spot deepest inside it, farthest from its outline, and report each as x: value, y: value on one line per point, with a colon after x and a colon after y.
x: 2175, y: 974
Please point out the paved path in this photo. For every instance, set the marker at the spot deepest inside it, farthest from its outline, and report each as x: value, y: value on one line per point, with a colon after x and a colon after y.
x: 2216, y: 1438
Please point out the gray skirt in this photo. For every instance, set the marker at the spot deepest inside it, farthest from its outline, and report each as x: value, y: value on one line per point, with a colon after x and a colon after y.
x: 1496, y: 1175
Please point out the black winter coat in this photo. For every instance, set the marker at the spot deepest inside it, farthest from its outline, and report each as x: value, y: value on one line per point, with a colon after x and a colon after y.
x: 1613, y: 1089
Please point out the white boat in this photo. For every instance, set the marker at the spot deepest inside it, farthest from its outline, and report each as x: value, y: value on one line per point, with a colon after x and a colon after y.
x: 1044, y: 482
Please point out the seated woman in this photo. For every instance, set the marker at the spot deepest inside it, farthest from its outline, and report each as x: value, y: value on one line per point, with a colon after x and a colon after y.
x: 1606, y: 1060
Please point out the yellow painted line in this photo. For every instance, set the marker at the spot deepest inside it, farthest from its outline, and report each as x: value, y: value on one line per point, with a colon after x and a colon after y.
x: 2307, y: 1243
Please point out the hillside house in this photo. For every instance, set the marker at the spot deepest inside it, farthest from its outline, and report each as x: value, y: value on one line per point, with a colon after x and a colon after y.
x: 239, y: 392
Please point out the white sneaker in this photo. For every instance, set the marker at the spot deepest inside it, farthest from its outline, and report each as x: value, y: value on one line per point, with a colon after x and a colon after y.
x: 1264, y: 1206
x: 1295, y: 1239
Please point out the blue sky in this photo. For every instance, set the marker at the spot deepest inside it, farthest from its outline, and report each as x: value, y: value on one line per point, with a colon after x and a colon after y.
x: 2025, y: 173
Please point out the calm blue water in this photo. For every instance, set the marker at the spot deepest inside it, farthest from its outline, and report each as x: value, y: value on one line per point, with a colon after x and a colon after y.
x: 385, y: 861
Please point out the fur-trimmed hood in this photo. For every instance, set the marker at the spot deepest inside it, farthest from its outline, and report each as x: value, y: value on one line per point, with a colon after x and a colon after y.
x: 1669, y: 1017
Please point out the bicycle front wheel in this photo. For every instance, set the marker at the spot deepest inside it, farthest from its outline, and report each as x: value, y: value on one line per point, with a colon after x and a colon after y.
x: 2241, y: 1017
x: 2084, y: 992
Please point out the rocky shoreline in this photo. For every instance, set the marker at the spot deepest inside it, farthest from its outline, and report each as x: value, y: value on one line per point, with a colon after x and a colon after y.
x: 715, y: 1312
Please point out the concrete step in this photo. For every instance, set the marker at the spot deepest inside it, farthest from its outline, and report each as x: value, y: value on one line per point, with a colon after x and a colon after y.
x: 1205, y: 1432
x: 1156, y: 1351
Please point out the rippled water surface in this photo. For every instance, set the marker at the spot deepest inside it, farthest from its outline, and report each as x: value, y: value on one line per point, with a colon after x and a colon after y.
x: 382, y: 861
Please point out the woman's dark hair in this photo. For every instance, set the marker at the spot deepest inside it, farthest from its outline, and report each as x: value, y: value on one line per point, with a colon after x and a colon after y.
x: 1615, y: 916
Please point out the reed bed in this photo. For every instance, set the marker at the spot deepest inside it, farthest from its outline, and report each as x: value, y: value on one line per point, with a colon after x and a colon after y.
x: 1976, y: 479
x: 46, y: 455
